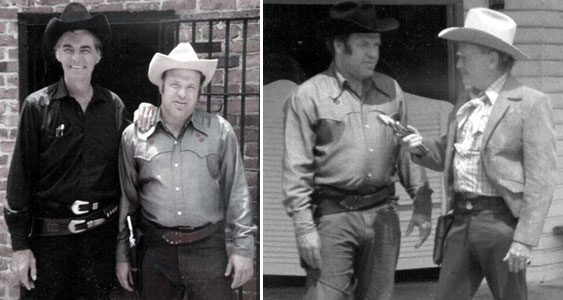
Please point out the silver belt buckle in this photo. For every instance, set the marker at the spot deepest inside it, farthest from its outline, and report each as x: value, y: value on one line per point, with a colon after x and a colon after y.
x: 72, y: 226
x: 76, y: 207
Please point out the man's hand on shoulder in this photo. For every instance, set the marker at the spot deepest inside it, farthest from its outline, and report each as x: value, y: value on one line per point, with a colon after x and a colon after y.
x: 243, y: 269
x: 145, y: 116
x: 24, y: 267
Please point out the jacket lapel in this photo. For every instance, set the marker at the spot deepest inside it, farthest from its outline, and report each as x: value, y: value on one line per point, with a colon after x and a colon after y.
x: 510, y: 92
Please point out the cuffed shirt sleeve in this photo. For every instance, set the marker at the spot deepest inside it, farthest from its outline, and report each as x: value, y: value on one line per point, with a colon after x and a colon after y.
x: 236, y: 195
x: 129, y: 203
x: 17, y: 205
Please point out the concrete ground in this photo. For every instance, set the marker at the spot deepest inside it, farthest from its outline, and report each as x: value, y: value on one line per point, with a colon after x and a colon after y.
x: 424, y: 291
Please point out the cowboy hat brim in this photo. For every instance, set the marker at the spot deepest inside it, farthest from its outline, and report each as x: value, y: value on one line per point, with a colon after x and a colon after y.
x: 474, y: 36
x: 161, y: 63
x: 97, y: 25
x: 341, y: 26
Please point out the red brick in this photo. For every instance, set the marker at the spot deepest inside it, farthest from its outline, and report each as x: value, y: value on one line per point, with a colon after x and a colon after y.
x: 8, y: 40
x: 5, y: 251
x: 13, y: 53
x: 217, y: 5
x: 251, y: 163
x: 248, y: 4
x: 12, y: 67
x: 90, y: 2
x: 252, y: 45
x: 252, y: 120
x: 107, y: 7
x: 9, y: 120
x: 242, y: 14
x: 201, y: 15
x: 142, y: 6
x: 8, y: 13
x: 178, y: 5
x: 3, y: 27
x: 250, y: 106
x: 12, y: 80
x: 253, y: 60
x: 252, y: 178
x: 7, y: 146
x: 42, y: 9
x: 252, y: 149
x: 55, y: 2
x: 8, y: 93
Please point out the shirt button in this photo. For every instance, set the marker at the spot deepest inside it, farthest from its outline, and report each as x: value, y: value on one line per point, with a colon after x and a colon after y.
x: 371, y: 150
x: 175, y: 142
x: 177, y: 189
x: 367, y: 125
x: 179, y: 213
x: 176, y: 165
x: 369, y: 175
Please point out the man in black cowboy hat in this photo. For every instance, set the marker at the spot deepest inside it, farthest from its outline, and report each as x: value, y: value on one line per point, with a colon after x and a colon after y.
x: 63, y: 186
x: 340, y: 164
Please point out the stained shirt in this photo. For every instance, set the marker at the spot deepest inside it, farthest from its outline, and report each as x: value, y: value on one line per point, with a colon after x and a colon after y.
x: 62, y: 154
x: 192, y: 180
x: 469, y: 170
x: 334, y: 137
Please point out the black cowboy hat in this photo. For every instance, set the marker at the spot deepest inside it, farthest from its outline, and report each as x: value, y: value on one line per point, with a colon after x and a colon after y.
x: 76, y: 16
x: 355, y: 17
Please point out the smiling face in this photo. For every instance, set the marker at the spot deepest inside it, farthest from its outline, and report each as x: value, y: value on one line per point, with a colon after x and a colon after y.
x: 77, y: 52
x: 180, y: 92
x: 356, y: 59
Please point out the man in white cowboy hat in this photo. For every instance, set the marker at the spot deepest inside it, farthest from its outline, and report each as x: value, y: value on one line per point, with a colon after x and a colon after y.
x: 499, y: 162
x: 185, y: 180
x: 63, y: 186
x: 341, y: 163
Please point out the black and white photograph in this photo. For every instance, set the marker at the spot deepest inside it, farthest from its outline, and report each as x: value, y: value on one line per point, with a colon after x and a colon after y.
x: 129, y: 149
x: 411, y: 149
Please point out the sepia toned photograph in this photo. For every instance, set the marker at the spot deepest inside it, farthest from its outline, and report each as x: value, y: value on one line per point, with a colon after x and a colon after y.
x: 411, y: 149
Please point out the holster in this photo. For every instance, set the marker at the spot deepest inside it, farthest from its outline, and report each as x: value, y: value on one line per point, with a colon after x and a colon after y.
x: 442, y: 228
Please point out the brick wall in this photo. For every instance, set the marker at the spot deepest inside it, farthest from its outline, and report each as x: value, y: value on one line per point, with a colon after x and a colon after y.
x: 540, y: 35
x: 9, y: 103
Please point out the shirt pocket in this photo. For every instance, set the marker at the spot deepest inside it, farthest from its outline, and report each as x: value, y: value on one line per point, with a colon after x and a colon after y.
x: 331, y: 123
x: 205, y: 154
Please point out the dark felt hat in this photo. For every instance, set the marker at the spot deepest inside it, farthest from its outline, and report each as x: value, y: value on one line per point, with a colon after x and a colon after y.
x: 75, y: 16
x: 355, y: 17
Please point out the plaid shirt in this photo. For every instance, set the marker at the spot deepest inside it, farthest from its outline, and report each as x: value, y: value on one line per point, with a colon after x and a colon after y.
x: 469, y: 171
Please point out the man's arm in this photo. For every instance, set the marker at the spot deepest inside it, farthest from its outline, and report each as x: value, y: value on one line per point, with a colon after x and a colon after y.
x: 413, y: 179
x: 298, y: 174
x: 539, y: 165
x: 239, y: 207
x: 129, y: 205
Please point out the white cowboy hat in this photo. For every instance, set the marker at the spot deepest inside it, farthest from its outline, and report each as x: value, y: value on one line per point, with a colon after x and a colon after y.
x: 489, y: 28
x: 181, y: 57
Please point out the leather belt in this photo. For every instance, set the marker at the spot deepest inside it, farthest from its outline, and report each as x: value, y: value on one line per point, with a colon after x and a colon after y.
x: 466, y: 203
x: 55, y: 227
x: 179, y: 235
x: 329, y: 200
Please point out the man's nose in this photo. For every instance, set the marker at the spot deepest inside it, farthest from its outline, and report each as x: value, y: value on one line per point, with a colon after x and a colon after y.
x: 182, y: 93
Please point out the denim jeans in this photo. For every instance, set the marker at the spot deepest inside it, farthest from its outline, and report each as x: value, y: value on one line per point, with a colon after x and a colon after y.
x: 474, y: 249
x: 74, y: 266
x: 359, y: 252
x: 196, y: 269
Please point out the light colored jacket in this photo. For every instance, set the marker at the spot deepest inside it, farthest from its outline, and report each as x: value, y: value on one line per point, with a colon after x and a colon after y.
x: 518, y: 152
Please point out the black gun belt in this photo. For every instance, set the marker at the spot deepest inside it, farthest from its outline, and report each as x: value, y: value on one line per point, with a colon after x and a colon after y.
x: 178, y: 235
x: 55, y: 227
x: 329, y: 200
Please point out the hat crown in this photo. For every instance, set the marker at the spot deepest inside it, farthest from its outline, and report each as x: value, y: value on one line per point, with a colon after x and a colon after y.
x: 492, y: 22
x: 183, y: 52
x: 75, y: 12
x: 360, y: 13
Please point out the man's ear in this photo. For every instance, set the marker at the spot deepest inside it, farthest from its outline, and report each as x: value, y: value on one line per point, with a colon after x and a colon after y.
x: 57, y: 55
x: 494, y: 60
x: 338, y: 46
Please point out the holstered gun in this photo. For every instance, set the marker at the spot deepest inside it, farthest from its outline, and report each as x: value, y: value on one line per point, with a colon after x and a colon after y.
x: 135, y: 251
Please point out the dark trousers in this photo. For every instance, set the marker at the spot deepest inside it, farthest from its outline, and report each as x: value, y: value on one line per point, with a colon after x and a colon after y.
x: 474, y: 249
x: 359, y: 252
x: 196, y: 269
x: 74, y: 266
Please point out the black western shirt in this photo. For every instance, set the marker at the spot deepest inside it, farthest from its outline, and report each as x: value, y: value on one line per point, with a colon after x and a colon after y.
x: 62, y: 154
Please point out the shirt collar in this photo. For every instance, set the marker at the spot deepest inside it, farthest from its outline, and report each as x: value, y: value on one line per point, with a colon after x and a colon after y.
x: 196, y: 120
x: 343, y: 82
x: 494, y: 89
x: 61, y: 92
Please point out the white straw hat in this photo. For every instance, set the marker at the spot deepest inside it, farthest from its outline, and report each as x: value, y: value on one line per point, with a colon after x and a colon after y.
x: 181, y: 57
x: 489, y: 28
